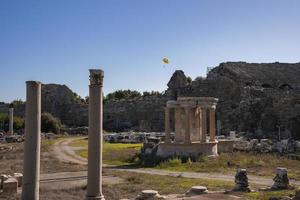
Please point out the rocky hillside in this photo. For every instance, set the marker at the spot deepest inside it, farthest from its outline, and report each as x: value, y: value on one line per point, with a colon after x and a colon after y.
x: 253, y: 97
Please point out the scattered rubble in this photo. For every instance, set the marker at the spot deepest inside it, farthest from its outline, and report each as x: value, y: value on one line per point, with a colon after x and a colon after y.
x: 267, y: 145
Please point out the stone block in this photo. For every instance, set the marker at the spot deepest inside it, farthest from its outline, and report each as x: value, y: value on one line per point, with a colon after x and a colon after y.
x: 10, y: 186
x: 149, y: 195
x: 19, y: 177
x: 3, y: 177
x: 197, y: 190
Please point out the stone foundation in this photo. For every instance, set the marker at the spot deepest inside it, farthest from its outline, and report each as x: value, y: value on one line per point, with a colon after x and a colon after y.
x: 190, y: 150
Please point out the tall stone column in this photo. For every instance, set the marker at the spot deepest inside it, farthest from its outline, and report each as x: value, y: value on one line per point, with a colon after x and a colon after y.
x: 212, y: 124
x: 167, y: 125
x: 187, y: 138
x: 203, y: 125
x: 31, y: 168
x: 11, y: 119
x: 95, y: 136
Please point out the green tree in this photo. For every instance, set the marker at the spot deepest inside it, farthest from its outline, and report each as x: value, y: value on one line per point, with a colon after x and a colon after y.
x: 189, y: 80
x: 50, y: 123
x: 4, y: 122
x: 122, y: 94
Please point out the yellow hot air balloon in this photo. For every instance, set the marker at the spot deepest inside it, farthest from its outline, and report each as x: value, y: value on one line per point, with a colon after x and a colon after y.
x: 165, y: 61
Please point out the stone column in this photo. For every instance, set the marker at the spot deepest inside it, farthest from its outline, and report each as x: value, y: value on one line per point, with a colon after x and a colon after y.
x: 11, y: 120
x: 203, y: 125
x: 31, y: 168
x: 187, y: 138
x: 198, y: 123
x: 167, y: 125
x: 95, y: 136
x: 212, y: 124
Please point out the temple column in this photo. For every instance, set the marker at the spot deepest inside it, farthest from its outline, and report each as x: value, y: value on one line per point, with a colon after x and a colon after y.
x: 212, y: 124
x: 187, y: 138
x: 203, y: 125
x: 95, y: 136
x: 11, y: 120
x: 31, y: 164
x: 167, y: 125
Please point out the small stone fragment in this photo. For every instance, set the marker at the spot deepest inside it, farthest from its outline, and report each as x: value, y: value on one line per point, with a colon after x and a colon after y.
x: 149, y: 195
x: 197, y: 190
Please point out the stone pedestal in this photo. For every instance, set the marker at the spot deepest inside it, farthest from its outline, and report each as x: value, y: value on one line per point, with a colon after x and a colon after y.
x: 281, y: 180
x: 95, y: 137
x: 31, y: 168
x: 241, y: 181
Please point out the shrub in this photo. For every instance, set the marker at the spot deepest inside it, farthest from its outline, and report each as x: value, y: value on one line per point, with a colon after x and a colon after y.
x: 50, y: 123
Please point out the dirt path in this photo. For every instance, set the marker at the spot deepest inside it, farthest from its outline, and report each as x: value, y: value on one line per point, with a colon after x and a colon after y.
x: 68, y: 180
x: 66, y: 153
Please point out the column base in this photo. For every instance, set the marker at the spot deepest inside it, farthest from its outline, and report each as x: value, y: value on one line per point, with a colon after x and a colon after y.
x: 95, y: 198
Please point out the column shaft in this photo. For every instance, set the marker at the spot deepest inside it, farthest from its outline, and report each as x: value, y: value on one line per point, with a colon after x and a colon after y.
x: 187, y: 139
x: 11, y: 121
x: 167, y: 125
x: 31, y: 168
x: 212, y: 124
x: 203, y: 125
x: 95, y: 136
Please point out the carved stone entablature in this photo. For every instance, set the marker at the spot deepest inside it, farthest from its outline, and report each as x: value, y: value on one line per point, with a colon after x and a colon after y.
x: 96, y: 77
x: 194, y: 102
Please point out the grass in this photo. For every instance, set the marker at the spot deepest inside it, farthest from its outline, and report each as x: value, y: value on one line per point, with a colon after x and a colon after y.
x: 258, y: 164
x: 255, y: 163
x: 113, y: 153
x: 265, y: 195
x: 135, y: 183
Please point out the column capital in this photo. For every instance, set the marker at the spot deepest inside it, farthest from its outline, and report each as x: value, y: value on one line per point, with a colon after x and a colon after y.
x: 96, y: 77
x: 33, y: 82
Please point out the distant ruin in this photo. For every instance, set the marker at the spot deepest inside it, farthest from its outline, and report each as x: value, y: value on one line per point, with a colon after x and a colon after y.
x: 253, y: 98
x: 194, y: 116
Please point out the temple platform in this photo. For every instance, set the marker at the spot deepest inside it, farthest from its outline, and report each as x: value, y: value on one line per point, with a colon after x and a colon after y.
x: 193, y: 149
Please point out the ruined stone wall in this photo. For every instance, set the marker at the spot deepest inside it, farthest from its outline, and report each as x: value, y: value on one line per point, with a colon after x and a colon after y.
x: 253, y: 98
x: 142, y: 114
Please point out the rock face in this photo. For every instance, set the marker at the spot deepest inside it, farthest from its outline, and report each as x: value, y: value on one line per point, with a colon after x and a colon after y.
x: 253, y: 98
x: 61, y: 102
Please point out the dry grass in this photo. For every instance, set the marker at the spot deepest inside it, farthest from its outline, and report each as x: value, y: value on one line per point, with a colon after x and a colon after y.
x: 256, y: 164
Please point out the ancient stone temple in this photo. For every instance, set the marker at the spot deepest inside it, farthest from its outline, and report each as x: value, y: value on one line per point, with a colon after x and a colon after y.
x: 194, y: 120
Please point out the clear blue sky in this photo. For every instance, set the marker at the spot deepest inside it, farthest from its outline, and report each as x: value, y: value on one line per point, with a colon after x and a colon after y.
x: 57, y: 41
